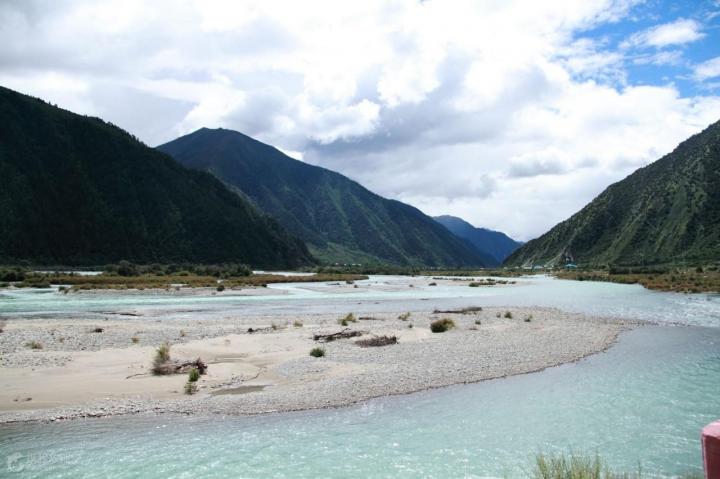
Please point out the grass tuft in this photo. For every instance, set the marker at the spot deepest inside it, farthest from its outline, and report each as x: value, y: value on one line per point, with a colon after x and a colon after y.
x: 317, y: 352
x: 162, y: 356
x: 442, y: 325
x: 34, y: 345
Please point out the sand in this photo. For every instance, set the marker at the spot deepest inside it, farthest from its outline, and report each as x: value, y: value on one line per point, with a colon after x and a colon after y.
x: 81, y: 373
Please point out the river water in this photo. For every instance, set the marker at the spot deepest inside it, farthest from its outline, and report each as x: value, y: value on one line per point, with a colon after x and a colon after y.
x: 641, y: 404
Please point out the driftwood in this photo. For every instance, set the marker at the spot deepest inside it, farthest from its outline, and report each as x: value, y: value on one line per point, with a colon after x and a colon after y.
x: 468, y: 310
x: 368, y: 318
x: 344, y: 334
x: 175, y: 366
x: 376, y: 341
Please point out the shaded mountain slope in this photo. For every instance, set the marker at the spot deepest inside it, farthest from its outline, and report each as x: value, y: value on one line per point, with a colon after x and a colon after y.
x: 76, y: 190
x: 341, y: 220
x: 666, y: 212
x: 497, y: 244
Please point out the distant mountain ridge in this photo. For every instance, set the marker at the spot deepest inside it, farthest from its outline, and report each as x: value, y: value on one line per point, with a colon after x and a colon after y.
x: 666, y: 212
x: 341, y: 220
x: 76, y: 190
x: 497, y: 244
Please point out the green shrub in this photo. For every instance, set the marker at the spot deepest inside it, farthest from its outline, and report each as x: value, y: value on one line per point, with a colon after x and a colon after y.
x: 474, y: 284
x: 126, y: 268
x: 477, y: 321
x: 162, y: 356
x: 442, y: 325
x: 508, y: 315
x: 34, y: 344
x: 193, y: 375
x: 404, y: 317
x: 190, y: 388
x: 317, y: 352
x: 349, y: 318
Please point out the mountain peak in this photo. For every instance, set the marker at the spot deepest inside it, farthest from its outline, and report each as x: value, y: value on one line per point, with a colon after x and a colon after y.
x: 341, y: 221
x: 497, y: 244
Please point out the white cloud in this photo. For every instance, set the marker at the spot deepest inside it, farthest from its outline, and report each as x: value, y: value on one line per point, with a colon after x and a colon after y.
x: 679, y: 32
x: 708, y: 69
x: 498, y: 112
x: 664, y: 57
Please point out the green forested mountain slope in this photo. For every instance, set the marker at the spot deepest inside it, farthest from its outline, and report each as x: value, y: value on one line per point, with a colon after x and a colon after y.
x: 75, y: 190
x: 341, y: 220
x: 497, y: 244
x: 666, y: 212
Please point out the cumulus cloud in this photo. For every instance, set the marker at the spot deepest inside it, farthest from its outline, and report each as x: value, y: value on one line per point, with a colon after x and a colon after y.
x: 504, y: 113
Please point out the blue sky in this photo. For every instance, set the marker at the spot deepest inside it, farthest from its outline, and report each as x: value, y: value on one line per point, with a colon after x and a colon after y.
x: 672, y: 63
x: 512, y: 114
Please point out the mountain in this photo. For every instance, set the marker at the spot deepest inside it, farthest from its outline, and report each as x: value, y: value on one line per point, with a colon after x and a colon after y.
x: 497, y: 244
x: 76, y: 190
x: 666, y: 212
x: 340, y: 220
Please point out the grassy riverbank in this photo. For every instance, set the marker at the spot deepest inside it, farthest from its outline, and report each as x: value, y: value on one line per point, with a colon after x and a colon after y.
x: 695, y: 280
x: 147, y: 278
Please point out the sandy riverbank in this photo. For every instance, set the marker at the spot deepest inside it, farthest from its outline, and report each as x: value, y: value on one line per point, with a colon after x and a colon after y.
x: 80, y: 372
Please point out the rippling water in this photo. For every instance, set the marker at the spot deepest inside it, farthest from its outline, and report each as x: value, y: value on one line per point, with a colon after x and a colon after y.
x: 641, y: 403
x: 606, y: 299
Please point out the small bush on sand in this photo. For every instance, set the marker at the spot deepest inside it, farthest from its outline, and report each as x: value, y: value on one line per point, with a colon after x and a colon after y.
x: 350, y: 318
x: 528, y: 318
x: 498, y: 315
x: 442, y: 325
x: 162, y: 356
x: 404, y: 317
x: 475, y: 284
x: 193, y: 375
x: 478, y: 322
x: 97, y: 330
x: 34, y: 344
x: 297, y: 323
x: 135, y: 339
x: 410, y: 326
x: 190, y: 388
x: 317, y: 352
x: 508, y: 315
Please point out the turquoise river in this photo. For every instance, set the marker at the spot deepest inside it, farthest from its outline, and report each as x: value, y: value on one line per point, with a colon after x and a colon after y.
x: 640, y: 405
